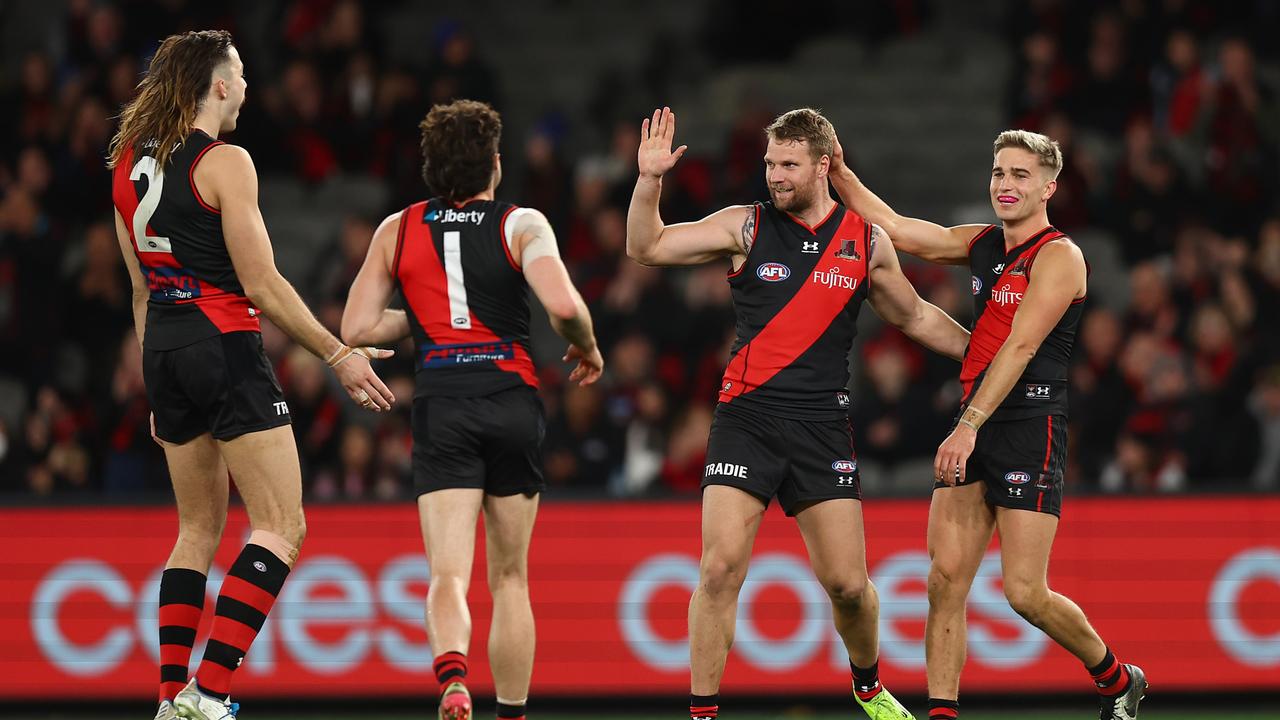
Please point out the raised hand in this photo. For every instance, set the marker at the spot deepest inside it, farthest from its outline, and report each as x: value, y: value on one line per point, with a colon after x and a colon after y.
x: 837, y: 156
x: 655, y: 157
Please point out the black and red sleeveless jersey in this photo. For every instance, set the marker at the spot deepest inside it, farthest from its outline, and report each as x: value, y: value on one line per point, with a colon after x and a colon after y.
x: 796, y: 298
x: 177, y: 238
x: 467, y: 300
x: 999, y: 281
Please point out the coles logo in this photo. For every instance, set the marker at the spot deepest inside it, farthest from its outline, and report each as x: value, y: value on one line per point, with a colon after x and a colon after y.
x: 1017, y: 478
x: 844, y: 466
x: 773, y: 272
x: 977, y: 284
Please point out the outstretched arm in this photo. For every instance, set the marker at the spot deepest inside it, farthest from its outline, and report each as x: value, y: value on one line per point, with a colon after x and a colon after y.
x: 227, y: 180
x: 895, y: 300
x: 649, y: 241
x: 1058, y: 278
x: 926, y: 240
x: 366, y: 320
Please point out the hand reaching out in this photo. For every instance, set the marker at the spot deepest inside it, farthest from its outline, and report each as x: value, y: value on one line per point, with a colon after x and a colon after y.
x: 655, y: 157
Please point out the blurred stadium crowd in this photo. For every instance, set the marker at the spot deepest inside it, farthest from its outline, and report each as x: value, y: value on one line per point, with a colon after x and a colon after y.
x: 1168, y: 112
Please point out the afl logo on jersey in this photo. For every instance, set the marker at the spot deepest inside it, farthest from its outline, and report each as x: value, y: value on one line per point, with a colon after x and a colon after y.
x: 773, y: 272
x: 1017, y: 478
x: 844, y: 466
x: 977, y: 284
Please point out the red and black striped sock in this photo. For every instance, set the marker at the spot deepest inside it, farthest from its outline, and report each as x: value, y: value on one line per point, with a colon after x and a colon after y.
x: 1110, y: 676
x: 181, y: 605
x: 940, y: 709
x: 509, y: 711
x: 246, y: 597
x: 449, y: 667
x: 866, y: 681
x: 704, y: 706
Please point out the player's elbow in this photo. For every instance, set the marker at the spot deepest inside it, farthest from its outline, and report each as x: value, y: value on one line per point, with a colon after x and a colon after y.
x: 353, y: 331
x: 641, y: 251
x: 562, y: 309
x: 1024, y: 349
x: 260, y: 287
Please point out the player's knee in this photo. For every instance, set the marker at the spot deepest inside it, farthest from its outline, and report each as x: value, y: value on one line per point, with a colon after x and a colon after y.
x: 847, y: 592
x: 1027, y: 599
x: 720, y: 575
x: 201, y: 533
x: 508, y: 576
x: 945, y: 581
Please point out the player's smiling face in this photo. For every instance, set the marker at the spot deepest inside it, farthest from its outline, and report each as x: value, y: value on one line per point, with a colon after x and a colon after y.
x: 1020, y: 185
x: 794, y: 178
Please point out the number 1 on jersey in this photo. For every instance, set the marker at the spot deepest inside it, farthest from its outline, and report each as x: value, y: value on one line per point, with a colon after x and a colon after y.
x: 146, y: 166
x: 459, y: 313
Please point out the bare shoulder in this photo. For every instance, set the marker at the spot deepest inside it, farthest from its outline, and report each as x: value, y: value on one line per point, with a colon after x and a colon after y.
x: 226, y: 159
x: 1061, y: 251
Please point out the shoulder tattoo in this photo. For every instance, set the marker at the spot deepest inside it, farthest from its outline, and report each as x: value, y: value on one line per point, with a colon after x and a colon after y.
x: 749, y: 230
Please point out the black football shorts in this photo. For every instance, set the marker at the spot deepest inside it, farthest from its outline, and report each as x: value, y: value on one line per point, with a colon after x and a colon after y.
x: 1021, y: 462
x: 491, y: 442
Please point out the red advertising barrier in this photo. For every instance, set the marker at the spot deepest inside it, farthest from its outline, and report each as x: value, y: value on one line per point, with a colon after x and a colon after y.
x: 1189, y: 588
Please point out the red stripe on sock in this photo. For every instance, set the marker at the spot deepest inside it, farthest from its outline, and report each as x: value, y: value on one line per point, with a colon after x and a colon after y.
x: 704, y: 709
x: 180, y: 615
x: 1105, y: 673
x: 943, y: 714
x: 1120, y: 685
x: 213, y: 677
x: 246, y: 592
x: 232, y: 632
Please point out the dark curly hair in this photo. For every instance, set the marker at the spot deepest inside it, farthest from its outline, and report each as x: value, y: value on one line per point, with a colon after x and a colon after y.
x: 459, y: 141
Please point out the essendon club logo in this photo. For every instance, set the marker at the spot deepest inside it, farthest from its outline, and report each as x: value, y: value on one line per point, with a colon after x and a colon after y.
x: 848, y: 250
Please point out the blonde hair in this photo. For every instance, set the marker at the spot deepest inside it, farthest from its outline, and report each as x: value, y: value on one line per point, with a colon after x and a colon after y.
x: 808, y: 125
x: 1041, y: 146
x: 169, y: 95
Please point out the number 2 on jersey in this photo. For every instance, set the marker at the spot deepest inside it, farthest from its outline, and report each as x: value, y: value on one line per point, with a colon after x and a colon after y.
x: 459, y: 313
x: 146, y: 167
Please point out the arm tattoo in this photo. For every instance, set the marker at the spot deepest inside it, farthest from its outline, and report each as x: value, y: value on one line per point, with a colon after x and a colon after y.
x: 877, y: 233
x: 749, y: 230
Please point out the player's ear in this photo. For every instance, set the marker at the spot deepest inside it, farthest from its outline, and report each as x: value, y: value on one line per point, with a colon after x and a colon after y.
x: 824, y: 165
x: 1049, y: 189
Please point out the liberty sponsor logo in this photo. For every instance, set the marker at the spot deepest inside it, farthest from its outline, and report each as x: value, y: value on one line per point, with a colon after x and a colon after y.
x: 810, y: 247
x: 833, y: 279
x: 1017, y: 477
x: 450, y: 215
x: 844, y: 466
x: 282, y: 408
x: 1037, y: 392
x: 773, y: 272
x: 1006, y: 296
x: 977, y: 284
x: 848, y: 250
x: 726, y: 470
